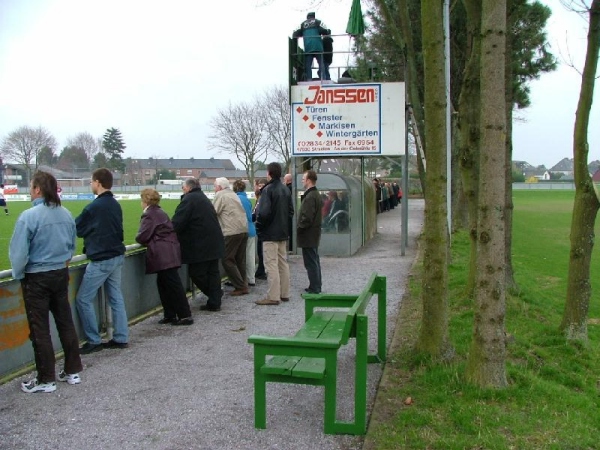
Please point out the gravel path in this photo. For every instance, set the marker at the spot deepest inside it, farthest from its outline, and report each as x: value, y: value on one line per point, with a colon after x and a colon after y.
x: 192, y: 387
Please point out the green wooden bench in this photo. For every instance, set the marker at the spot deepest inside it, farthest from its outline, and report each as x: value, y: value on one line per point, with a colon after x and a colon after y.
x: 310, y: 357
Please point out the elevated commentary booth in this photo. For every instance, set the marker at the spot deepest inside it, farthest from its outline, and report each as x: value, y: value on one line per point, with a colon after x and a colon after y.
x: 345, y: 119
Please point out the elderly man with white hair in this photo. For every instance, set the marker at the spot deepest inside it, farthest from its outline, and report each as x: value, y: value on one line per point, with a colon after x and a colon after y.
x: 232, y: 218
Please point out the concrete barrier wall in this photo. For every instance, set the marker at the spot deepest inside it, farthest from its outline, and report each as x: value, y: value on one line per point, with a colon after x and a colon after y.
x: 139, y: 291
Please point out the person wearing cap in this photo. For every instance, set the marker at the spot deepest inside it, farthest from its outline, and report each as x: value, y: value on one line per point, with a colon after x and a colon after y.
x: 311, y: 31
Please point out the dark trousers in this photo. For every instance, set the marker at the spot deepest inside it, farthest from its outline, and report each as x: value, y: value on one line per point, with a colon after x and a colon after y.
x: 291, y: 233
x: 172, y: 294
x: 260, y: 270
x: 207, y: 277
x: 46, y: 292
x: 234, y: 261
x: 312, y: 264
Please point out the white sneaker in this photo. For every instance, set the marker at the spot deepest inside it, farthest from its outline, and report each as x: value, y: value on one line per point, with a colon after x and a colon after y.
x: 32, y: 386
x: 69, y: 378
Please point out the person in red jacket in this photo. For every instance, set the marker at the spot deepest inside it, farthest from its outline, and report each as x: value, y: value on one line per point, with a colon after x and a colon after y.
x: 163, y: 257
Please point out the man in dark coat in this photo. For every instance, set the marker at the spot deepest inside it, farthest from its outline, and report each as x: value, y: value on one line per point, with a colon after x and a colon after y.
x: 287, y: 179
x: 100, y: 224
x: 309, y: 230
x: 202, y: 243
x: 272, y: 214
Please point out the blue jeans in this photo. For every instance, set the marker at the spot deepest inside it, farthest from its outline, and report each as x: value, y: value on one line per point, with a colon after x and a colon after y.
x: 323, y: 71
x: 98, y: 273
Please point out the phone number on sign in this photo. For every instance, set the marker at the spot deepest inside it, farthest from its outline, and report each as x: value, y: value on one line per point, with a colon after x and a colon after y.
x: 313, y: 143
x: 336, y: 142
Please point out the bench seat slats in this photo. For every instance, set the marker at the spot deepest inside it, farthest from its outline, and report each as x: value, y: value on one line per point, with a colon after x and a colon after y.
x: 322, y: 325
x: 310, y: 368
x: 297, y: 367
x: 280, y: 365
x: 315, y: 325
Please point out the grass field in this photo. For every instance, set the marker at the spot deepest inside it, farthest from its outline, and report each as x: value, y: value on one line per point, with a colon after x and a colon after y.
x: 553, y: 397
x: 132, y: 212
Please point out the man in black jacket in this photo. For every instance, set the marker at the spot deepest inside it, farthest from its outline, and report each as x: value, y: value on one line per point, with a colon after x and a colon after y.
x: 272, y: 215
x: 202, y: 242
x: 100, y: 224
x: 309, y: 230
x: 287, y: 179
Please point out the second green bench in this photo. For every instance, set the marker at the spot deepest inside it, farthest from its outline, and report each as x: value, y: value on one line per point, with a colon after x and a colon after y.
x: 310, y: 356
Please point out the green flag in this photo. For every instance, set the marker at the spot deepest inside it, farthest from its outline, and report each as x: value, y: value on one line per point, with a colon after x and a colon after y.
x: 356, y: 24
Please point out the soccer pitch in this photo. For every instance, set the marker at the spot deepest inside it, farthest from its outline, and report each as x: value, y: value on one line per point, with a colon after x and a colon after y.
x: 132, y: 211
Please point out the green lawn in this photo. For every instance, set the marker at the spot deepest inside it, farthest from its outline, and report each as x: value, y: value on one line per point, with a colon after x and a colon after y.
x: 553, y: 397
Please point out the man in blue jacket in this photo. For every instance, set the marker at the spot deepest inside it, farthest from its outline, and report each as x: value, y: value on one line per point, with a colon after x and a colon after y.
x: 311, y: 31
x: 100, y: 224
x: 40, y: 250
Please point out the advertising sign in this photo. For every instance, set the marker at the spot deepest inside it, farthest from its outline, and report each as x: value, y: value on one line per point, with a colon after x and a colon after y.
x: 348, y: 119
x: 11, y: 189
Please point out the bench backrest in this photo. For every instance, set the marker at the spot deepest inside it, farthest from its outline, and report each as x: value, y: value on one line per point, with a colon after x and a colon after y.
x: 359, y: 306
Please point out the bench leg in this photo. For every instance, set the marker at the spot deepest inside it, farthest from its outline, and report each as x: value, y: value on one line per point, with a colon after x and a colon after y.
x: 360, y: 377
x: 260, y: 390
x: 330, y: 393
x: 260, y: 403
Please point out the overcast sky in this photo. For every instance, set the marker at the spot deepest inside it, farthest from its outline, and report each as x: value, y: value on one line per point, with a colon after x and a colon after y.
x: 158, y: 71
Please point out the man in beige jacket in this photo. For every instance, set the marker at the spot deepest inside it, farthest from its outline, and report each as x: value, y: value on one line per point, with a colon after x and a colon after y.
x: 232, y: 218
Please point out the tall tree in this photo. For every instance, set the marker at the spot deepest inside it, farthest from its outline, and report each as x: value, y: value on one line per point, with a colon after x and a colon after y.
x: 527, y: 57
x: 486, y: 360
x: 239, y: 130
x: 73, y: 159
x: 47, y: 156
x: 113, y: 145
x: 278, y: 118
x: 585, y: 207
x: 87, y: 142
x: 100, y: 160
x: 396, y: 23
x: 433, y: 336
x: 469, y: 105
x: 24, y: 144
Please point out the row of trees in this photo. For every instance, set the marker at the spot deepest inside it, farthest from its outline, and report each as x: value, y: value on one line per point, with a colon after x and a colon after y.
x: 32, y: 147
x: 497, y: 47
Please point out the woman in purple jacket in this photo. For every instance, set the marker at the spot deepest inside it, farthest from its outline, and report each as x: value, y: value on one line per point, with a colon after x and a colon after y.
x: 163, y: 257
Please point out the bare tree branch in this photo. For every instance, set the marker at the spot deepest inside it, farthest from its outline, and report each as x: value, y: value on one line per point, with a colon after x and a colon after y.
x: 278, y: 123
x: 87, y: 142
x: 240, y: 130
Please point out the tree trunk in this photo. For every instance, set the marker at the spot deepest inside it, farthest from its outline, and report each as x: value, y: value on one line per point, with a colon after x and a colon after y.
x: 468, y: 118
x: 405, y: 37
x: 585, y: 208
x: 460, y: 211
x: 486, y: 361
x: 511, y: 284
x: 433, y: 338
